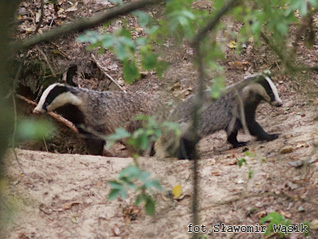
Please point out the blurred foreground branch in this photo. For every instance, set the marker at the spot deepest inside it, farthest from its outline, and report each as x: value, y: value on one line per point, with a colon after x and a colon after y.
x: 82, y: 24
x: 196, y: 44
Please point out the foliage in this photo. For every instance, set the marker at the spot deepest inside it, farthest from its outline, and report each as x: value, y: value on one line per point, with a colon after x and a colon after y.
x: 142, y: 138
x: 139, y: 181
x: 275, y: 220
x: 242, y: 161
x: 181, y: 22
x: 133, y: 177
x: 34, y: 129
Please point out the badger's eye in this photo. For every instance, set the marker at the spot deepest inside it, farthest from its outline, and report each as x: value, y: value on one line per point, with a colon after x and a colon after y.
x: 45, y: 105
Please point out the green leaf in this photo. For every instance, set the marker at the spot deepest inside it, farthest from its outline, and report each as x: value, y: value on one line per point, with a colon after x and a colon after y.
x: 117, y: 189
x: 150, y: 206
x: 127, y: 42
x: 250, y: 174
x: 142, y: 117
x: 120, y: 2
x: 34, y: 129
x: 218, y: 4
x: 115, y: 185
x: 314, y: 3
x: 119, y: 134
x: 143, y: 142
x: 218, y: 87
x: 274, y: 218
x: 131, y: 172
x: 144, y: 176
x: 153, y: 184
x: 114, y: 193
x: 132, y: 186
x: 89, y: 36
x: 108, y: 41
x: 143, y: 18
x: 241, y: 161
x: 282, y: 27
x: 140, y: 198
x: 94, y: 45
x: 149, y: 60
x: 131, y: 72
x: 141, y: 41
x: 121, y: 51
x: 123, y: 33
x: 161, y: 67
x: 299, y: 5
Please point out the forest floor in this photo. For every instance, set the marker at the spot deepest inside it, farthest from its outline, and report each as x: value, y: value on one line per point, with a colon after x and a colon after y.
x: 63, y: 195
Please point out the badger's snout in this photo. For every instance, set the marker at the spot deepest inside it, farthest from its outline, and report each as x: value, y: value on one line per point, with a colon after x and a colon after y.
x: 38, y: 111
x: 277, y: 103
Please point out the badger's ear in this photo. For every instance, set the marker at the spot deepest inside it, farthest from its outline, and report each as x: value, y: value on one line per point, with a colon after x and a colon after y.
x: 267, y: 73
x: 71, y: 74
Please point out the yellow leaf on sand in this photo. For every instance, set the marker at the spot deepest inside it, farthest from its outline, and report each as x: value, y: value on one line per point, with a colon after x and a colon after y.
x: 232, y: 44
x: 29, y: 30
x: 177, y: 191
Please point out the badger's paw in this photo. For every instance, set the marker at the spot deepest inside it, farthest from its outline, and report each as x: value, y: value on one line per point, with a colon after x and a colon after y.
x: 269, y: 137
x: 239, y: 144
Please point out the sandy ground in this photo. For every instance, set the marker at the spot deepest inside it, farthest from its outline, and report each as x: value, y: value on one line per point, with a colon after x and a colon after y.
x: 65, y: 196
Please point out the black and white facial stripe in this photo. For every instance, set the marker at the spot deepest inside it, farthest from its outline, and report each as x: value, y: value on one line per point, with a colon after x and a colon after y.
x: 56, y: 95
x: 272, y: 92
x: 262, y: 86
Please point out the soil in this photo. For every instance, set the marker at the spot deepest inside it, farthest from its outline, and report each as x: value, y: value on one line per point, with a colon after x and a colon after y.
x: 61, y: 195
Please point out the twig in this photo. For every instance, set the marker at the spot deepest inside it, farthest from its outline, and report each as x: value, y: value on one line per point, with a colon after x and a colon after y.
x: 14, y: 133
x: 196, y: 44
x: 45, y: 145
x: 281, y: 56
x: 41, y: 18
x: 15, y: 117
x: 57, y: 117
x: 46, y: 60
x: 242, y: 112
x: 289, y: 65
x: 82, y: 24
x: 61, y: 51
x: 104, y: 70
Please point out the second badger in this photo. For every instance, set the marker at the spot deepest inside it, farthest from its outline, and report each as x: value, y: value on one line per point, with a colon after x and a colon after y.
x: 224, y: 113
x: 95, y: 113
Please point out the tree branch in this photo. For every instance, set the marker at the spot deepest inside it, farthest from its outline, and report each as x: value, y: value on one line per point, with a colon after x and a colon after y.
x: 82, y: 24
x: 288, y: 63
x: 57, y: 117
x: 196, y: 44
x: 41, y: 18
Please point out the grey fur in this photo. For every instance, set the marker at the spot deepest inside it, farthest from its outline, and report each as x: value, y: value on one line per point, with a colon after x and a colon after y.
x: 98, y: 114
x: 224, y: 113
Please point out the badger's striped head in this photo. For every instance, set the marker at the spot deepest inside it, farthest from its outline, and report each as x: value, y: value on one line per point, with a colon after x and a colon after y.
x: 271, y: 91
x: 263, y: 87
x: 55, y: 96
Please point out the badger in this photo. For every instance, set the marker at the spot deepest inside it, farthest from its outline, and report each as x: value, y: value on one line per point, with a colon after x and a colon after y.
x: 234, y: 109
x: 96, y: 114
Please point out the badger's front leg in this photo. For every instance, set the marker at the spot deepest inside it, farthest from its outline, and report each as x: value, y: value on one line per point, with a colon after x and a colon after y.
x: 231, y: 132
x: 232, y: 139
x: 256, y: 130
x: 94, y: 145
x: 186, y: 148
